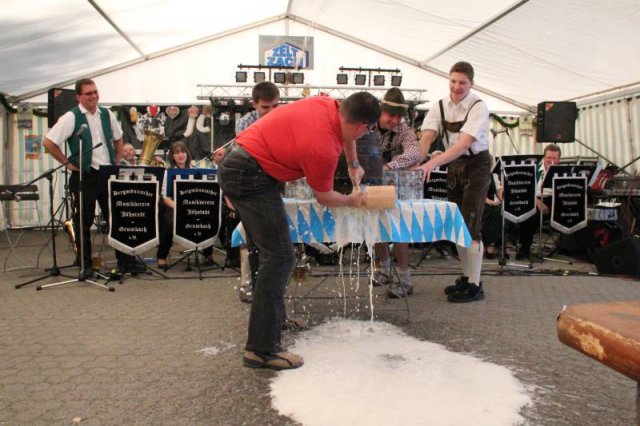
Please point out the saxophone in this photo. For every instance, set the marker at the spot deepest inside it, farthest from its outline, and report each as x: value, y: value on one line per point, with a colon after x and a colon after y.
x: 67, y: 226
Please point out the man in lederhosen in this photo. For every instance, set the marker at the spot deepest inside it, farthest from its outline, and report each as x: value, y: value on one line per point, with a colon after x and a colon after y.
x: 464, y: 118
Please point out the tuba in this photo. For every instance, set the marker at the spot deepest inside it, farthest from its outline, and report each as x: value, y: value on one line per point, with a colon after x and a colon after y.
x: 151, y: 142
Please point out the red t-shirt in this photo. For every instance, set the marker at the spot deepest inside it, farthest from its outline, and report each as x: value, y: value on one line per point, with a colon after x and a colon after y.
x: 303, y: 138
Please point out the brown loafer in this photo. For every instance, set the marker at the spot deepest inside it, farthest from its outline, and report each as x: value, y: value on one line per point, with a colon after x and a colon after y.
x: 276, y: 361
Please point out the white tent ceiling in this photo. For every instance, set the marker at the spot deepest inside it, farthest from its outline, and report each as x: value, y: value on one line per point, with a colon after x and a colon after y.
x: 524, y: 52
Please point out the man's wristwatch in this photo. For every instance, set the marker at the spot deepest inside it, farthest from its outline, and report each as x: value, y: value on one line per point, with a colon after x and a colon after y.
x: 355, y: 164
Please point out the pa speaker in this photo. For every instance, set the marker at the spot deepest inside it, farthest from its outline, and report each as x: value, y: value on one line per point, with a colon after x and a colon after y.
x: 620, y: 258
x: 556, y: 122
x: 59, y: 101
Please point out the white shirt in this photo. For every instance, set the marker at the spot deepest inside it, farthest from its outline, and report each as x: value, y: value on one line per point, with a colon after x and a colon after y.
x: 477, y: 124
x: 63, y: 129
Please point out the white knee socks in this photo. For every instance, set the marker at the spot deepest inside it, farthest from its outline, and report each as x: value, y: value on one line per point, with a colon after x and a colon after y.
x: 474, y: 254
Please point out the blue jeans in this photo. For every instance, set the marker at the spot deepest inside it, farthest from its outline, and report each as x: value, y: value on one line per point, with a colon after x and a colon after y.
x: 256, y: 197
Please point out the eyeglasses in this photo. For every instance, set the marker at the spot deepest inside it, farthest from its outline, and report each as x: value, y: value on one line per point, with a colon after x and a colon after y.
x: 95, y: 92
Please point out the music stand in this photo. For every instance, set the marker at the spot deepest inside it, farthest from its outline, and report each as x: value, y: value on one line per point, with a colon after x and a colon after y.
x: 546, y: 188
x: 208, y: 174
x: 436, y: 189
x: 500, y: 169
x: 137, y: 217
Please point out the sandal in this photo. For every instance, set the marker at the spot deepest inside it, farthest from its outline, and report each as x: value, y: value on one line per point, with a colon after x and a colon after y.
x: 276, y: 361
x: 162, y: 264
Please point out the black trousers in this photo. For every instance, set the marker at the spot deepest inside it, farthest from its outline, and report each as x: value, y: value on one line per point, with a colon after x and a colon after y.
x: 91, y: 195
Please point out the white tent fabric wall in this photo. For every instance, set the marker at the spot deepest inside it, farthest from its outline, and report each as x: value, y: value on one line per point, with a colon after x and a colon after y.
x: 19, y: 170
x: 4, y: 128
x: 612, y: 129
x: 174, y: 78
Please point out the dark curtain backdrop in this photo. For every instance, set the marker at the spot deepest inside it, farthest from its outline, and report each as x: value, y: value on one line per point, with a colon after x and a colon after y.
x: 174, y: 128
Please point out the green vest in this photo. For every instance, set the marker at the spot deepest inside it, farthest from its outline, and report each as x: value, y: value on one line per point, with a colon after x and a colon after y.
x: 87, y: 141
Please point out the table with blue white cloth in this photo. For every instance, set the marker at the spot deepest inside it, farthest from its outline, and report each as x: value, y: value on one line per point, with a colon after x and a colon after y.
x: 411, y: 221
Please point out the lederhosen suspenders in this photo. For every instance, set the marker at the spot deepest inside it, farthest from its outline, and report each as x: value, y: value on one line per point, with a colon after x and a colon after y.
x: 457, y: 124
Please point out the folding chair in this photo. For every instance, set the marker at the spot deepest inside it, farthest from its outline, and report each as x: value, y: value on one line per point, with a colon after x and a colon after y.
x: 20, y: 213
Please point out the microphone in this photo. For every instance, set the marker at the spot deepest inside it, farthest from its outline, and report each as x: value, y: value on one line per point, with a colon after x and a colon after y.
x: 81, y: 130
x: 495, y: 132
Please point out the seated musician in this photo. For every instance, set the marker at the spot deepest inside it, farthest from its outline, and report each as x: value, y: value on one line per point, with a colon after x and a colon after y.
x: 528, y: 228
x: 180, y: 158
x: 128, y: 155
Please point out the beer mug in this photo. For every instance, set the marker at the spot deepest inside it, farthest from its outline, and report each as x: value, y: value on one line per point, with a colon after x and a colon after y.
x: 390, y: 177
x: 410, y: 185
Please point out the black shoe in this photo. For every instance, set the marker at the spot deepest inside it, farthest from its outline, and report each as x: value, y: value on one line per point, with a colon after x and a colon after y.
x: 245, y: 292
x: 523, y: 254
x: 461, y: 283
x: 398, y: 292
x: 380, y: 279
x: 132, y: 267
x: 471, y: 293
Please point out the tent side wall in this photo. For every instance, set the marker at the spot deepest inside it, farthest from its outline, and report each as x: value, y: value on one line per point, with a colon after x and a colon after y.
x: 611, y: 128
x: 22, y: 165
x: 4, y: 140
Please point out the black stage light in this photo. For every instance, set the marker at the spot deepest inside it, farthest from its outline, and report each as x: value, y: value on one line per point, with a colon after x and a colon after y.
x: 279, y: 77
x: 259, y: 77
x: 361, y: 79
x: 298, y: 78
x: 241, y: 76
x: 378, y: 80
x: 342, y: 78
x: 396, y: 80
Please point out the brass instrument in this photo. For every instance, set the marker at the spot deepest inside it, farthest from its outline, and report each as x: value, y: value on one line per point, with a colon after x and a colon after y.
x: 67, y: 225
x: 151, y: 142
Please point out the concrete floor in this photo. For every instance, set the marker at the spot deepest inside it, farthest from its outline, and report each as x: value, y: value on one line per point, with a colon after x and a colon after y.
x: 135, y: 356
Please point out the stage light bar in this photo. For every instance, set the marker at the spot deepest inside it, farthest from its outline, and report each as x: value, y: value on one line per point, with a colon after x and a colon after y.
x: 342, y: 78
x: 241, y: 76
x: 259, y: 77
x: 298, y: 78
x: 378, y: 80
x: 396, y: 80
x: 361, y: 79
x: 279, y: 77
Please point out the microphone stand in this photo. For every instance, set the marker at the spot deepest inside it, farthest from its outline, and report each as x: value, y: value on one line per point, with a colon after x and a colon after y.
x: 82, y: 275
x: 503, y: 260
x: 505, y: 130
x: 54, y: 271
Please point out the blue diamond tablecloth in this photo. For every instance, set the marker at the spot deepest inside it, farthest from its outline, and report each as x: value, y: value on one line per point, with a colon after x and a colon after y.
x: 412, y: 221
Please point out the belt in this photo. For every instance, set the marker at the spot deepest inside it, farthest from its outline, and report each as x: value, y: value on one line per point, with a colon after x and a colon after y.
x: 239, y: 151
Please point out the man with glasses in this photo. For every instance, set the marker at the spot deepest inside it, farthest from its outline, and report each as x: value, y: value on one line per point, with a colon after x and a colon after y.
x: 88, y: 125
x: 464, y: 120
x: 400, y: 151
x: 301, y: 139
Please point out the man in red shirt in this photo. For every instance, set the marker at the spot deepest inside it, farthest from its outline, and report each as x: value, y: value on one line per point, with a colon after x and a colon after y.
x: 301, y: 139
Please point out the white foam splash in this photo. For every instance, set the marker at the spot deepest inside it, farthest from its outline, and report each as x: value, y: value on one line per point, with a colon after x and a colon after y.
x: 215, y: 350
x: 371, y: 373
